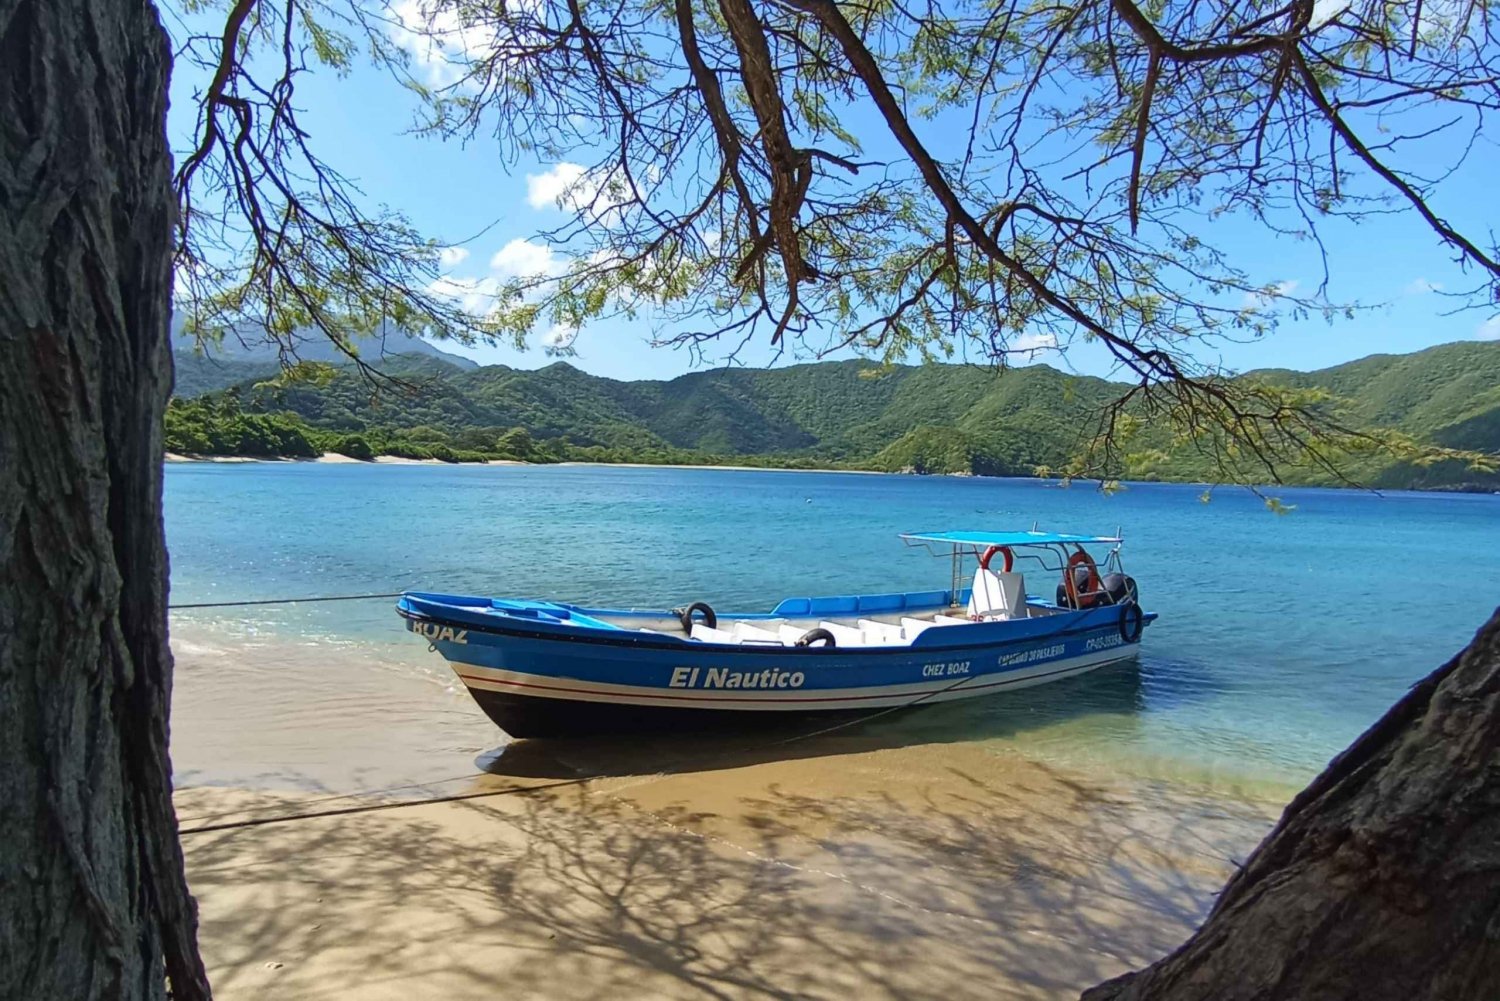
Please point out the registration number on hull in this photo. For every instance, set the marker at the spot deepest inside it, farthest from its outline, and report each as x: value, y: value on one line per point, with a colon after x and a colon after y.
x: 435, y: 633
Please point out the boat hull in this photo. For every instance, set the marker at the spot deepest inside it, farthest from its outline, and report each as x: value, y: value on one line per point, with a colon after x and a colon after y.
x: 538, y: 716
x: 536, y: 680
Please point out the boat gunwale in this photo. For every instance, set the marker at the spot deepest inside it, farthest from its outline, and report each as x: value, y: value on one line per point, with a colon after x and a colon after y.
x: 661, y: 641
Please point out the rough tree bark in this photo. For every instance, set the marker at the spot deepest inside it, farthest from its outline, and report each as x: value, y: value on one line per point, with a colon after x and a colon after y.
x: 93, y: 899
x: 1381, y: 882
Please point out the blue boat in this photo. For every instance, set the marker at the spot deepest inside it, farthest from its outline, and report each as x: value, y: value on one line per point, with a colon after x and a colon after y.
x: 548, y: 669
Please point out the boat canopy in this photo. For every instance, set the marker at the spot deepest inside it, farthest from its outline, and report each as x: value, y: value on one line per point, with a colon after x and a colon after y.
x: 1008, y: 538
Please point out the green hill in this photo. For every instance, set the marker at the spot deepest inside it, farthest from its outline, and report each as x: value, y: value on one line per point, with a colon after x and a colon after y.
x: 196, y: 374
x: 928, y: 418
x: 247, y: 345
x: 1449, y: 394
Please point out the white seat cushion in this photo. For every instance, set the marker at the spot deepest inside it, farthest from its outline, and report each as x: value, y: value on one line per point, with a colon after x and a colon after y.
x: 998, y: 595
x: 912, y: 628
x: 754, y: 634
x: 881, y: 632
x: 791, y: 634
x: 705, y: 634
x: 844, y: 635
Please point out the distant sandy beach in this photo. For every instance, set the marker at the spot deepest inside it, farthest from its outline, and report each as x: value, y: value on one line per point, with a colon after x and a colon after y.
x: 880, y: 863
x: 333, y: 458
x: 743, y: 469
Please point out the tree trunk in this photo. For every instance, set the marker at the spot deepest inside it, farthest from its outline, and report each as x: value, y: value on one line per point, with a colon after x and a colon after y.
x: 1382, y: 879
x: 93, y: 900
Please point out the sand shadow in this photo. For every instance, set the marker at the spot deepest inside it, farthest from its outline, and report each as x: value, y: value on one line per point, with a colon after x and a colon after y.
x: 967, y: 888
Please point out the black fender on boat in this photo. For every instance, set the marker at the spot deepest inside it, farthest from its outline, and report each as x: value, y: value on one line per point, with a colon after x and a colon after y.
x: 1132, y: 621
x: 814, y: 635
x: 685, y: 616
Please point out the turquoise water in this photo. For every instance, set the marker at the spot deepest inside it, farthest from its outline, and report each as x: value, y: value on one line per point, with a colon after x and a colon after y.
x: 1280, y: 638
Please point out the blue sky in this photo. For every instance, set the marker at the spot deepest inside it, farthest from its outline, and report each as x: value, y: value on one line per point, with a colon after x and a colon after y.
x: 464, y: 195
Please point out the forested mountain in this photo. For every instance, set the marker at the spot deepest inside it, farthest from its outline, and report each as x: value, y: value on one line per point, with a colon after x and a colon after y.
x: 929, y: 418
x: 250, y: 346
x: 1449, y: 394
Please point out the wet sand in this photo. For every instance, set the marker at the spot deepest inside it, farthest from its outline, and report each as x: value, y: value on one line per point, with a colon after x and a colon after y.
x: 874, y: 862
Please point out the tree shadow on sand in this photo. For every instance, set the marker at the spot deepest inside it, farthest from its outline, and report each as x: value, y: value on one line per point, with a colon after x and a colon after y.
x: 957, y: 888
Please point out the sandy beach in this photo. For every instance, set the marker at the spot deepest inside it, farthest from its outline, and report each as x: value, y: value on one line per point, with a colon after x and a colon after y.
x: 741, y: 469
x: 333, y: 458
x: 870, y: 863
x: 1027, y: 884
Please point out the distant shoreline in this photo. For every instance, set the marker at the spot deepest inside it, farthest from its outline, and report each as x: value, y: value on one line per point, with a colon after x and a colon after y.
x: 334, y: 459
x: 741, y: 469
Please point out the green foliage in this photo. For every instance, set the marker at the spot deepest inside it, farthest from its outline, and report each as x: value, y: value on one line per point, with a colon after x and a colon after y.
x: 940, y: 419
x: 940, y: 451
x: 517, y: 443
x: 353, y: 445
x: 217, y: 426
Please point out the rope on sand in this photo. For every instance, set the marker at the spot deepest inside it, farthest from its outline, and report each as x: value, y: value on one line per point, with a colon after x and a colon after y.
x: 283, y: 818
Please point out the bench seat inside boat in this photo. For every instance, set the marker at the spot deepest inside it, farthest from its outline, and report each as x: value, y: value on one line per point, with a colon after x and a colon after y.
x: 865, y: 632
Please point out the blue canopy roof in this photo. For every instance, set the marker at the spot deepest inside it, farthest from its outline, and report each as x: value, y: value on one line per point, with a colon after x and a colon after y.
x: 1007, y: 538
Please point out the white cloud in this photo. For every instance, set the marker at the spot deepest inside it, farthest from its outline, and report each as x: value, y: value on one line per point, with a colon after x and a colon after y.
x: 600, y: 196
x: 442, y: 39
x: 518, y: 259
x: 474, y: 295
x: 1259, y: 300
x: 452, y: 257
x: 1421, y: 286
x: 556, y: 187
x: 525, y: 259
x: 558, y: 339
x: 1031, y: 345
x: 1326, y: 10
x: 1489, y: 330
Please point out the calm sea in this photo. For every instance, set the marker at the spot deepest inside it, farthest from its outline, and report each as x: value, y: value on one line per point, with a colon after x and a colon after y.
x: 1280, y: 637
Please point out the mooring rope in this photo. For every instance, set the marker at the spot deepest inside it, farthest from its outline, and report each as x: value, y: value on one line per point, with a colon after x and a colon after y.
x: 284, y: 818
x: 284, y: 601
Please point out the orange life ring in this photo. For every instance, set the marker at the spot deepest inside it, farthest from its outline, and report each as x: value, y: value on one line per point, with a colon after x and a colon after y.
x: 984, y: 561
x: 1093, y: 588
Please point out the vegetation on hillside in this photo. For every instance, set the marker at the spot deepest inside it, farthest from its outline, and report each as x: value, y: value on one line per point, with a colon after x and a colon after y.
x: 943, y: 419
x: 219, y: 425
